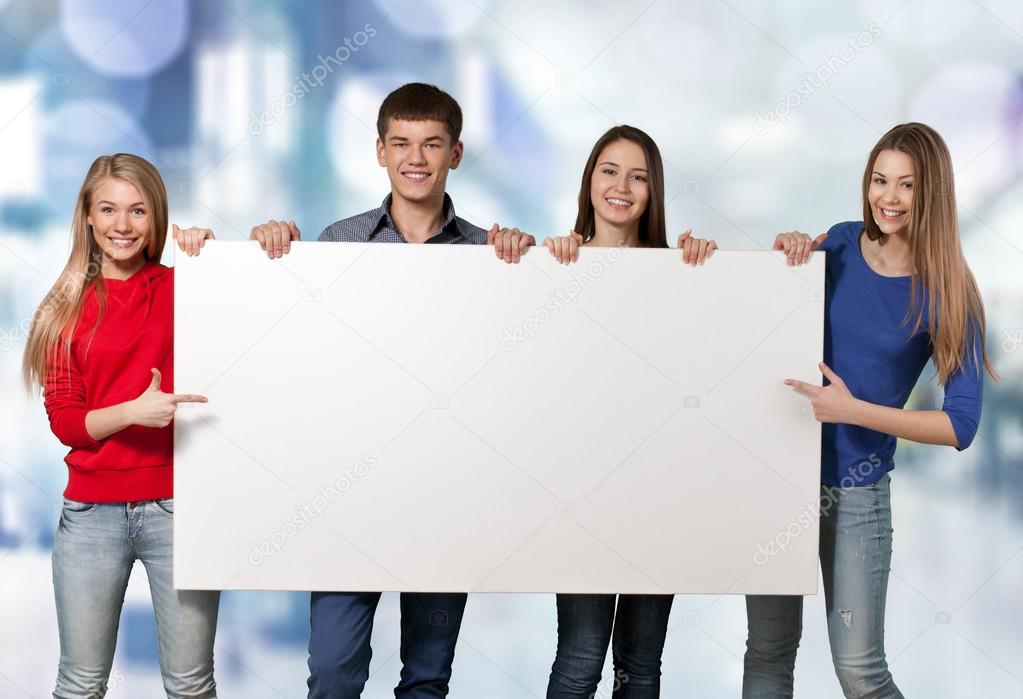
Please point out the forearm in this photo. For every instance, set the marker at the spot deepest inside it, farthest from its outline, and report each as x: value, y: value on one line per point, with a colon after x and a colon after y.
x: 104, y: 422
x: 924, y: 426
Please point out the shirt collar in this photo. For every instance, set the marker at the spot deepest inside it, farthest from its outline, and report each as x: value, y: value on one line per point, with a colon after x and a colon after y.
x: 382, y: 217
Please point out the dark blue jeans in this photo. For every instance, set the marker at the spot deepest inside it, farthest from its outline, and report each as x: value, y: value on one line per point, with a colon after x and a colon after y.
x: 585, y: 624
x: 339, y: 650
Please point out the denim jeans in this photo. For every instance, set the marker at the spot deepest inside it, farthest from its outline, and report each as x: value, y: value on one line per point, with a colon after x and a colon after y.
x: 585, y: 624
x: 93, y: 553
x: 856, y: 553
x: 339, y: 649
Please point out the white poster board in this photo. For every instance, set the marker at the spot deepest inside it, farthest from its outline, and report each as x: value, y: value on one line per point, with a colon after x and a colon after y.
x: 429, y: 418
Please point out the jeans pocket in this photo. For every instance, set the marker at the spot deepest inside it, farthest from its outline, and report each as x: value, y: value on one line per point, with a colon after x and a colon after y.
x: 165, y: 505
x: 75, y: 507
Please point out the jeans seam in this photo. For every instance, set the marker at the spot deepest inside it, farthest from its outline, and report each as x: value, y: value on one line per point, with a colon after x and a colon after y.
x: 161, y: 507
x: 93, y: 506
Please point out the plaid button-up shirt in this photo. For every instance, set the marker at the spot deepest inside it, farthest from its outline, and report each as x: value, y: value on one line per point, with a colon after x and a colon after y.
x: 377, y: 226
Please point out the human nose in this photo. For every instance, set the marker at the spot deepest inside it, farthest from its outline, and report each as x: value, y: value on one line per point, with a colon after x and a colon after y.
x: 890, y: 194
x: 416, y: 154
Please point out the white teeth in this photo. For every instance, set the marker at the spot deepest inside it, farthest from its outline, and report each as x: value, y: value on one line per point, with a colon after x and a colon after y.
x: 416, y: 175
x: 891, y: 214
x: 617, y: 202
x: 122, y: 242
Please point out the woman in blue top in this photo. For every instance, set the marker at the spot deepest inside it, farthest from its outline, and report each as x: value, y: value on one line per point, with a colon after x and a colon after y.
x: 898, y: 293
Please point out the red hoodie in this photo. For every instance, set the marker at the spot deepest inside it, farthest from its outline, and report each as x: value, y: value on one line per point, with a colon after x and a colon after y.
x: 109, y: 367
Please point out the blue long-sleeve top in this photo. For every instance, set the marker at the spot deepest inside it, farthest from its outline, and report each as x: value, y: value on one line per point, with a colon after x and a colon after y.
x: 869, y: 342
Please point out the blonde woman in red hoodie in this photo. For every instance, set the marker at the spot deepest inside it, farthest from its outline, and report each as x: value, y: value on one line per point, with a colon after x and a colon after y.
x: 101, y: 348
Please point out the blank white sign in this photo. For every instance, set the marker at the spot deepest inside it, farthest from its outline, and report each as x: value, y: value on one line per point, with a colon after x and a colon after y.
x: 429, y: 418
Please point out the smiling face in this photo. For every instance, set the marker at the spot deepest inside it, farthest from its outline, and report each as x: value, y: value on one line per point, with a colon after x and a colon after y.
x: 418, y: 155
x: 120, y: 222
x: 891, y: 191
x: 620, y: 184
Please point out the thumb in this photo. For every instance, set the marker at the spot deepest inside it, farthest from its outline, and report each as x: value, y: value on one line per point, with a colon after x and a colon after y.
x: 154, y: 385
x: 492, y: 233
x: 176, y: 231
x: 682, y: 238
x: 819, y: 240
x: 830, y: 375
x: 295, y: 233
x: 577, y: 236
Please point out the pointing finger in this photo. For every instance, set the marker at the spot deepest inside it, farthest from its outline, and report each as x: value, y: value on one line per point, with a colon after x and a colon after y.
x: 188, y: 398
x: 807, y: 389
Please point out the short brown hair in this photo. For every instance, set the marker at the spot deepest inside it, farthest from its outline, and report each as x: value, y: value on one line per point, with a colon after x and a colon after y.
x: 421, y: 102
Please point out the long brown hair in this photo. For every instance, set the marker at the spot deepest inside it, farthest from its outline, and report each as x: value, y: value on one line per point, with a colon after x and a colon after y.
x: 940, y: 272
x: 54, y: 321
x: 652, y: 233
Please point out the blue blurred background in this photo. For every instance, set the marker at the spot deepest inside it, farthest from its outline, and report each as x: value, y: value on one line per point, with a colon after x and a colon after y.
x: 764, y: 111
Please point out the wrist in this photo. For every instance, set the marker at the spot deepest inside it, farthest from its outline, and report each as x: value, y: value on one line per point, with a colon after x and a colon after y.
x: 858, y: 410
x: 127, y: 414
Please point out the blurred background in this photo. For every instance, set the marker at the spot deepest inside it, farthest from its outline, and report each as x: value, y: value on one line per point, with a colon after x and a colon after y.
x: 764, y: 112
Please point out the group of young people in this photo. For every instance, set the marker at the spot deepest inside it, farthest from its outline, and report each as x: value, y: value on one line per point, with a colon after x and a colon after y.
x: 898, y: 294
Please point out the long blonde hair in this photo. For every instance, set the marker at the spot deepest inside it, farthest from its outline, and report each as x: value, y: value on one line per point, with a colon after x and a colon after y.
x: 940, y: 271
x: 54, y: 322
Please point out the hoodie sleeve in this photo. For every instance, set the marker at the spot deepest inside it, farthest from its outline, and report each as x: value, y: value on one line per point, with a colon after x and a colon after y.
x: 64, y: 400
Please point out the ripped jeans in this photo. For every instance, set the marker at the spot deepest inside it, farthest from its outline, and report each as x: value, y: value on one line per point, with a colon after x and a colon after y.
x: 855, y: 553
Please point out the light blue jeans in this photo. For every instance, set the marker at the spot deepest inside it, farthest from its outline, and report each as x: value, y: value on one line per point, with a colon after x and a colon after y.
x: 93, y: 553
x: 856, y: 554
